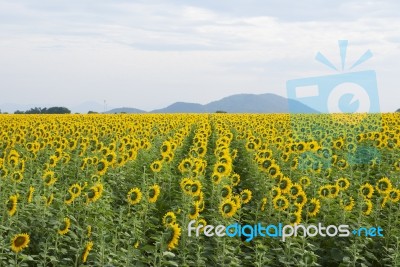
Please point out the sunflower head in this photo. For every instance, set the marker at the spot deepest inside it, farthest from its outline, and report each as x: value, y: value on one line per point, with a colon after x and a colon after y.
x: 228, y: 208
x: 134, y: 196
x: 226, y: 191
x: 19, y: 242
x: 343, y: 183
x: 156, y: 166
x: 216, y: 178
x: 383, y: 185
x: 281, y: 203
x: 169, y: 218
x: 367, y: 190
x: 174, y: 233
x: 64, y: 229
x: 153, y: 193
x: 313, y: 207
x: 367, y: 207
x: 246, y: 196
x: 75, y: 190
x: 195, y: 188
x: 12, y: 204
x: 235, y: 179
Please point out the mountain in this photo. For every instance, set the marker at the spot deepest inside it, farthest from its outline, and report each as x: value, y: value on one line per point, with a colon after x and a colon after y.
x: 242, y: 103
x: 125, y: 110
x: 182, y: 107
x: 264, y: 103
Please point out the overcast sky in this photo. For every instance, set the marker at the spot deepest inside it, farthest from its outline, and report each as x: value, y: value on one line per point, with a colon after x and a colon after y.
x: 149, y: 54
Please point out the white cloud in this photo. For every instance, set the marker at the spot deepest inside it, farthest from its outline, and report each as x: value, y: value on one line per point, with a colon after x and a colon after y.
x: 150, y: 55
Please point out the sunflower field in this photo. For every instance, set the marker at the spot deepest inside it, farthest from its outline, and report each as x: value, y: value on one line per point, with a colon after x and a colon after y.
x: 120, y: 190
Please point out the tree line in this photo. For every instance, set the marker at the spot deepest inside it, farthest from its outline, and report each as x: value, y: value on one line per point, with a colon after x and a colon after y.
x: 52, y: 110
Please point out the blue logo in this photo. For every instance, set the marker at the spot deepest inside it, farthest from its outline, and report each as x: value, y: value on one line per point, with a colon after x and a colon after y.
x: 346, y: 92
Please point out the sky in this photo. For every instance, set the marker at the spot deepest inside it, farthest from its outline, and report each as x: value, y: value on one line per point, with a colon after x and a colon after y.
x: 149, y: 54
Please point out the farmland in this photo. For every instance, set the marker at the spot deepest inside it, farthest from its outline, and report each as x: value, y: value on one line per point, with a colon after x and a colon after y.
x: 93, y: 190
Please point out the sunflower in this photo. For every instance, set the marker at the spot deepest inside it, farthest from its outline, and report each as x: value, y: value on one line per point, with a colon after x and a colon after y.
x: 314, y: 207
x: 75, y: 190
x: 153, y: 193
x: 69, y: 199
x: 49, y: 178
x: 342, y: 164
x: 30, y: 194
x: 194, y: 211
x: 275, y: 192
x: 216, y: 178
x: 263, y: 203
x: 53, y: 161
x: 281, y: 203
x: 169, y: 218
x: 394, y: 195
x: 295, y: 218
x: 325, y: 191
x: 246, y: 196
x: 226, y: 191
x: 237, y: 199
x: 201, y: 205
x: 235, y: 179
x: 19, y: 242
x: 48, y: 200
x: 334, y: 190
x: 199, y: 197
x: 383, y: 185
x: 284, y: 185
x: 397, y: 165
x: 367, y: 190
x: 222, y: 168
x: 134, y: 196
x: 88, y: 248
x: 175, y: 233
x: 185, y: 165
x: 17, y: 177
x: 94, y: 193
x: 367, y: 207
x: 294, y: 164
x: 343, y: 183
x: 265, y: 164
x: 156, y: 166
x: 347, y: 204
x: 301, y: 198
x: 65, y: 228
x: 12, y: 205
x: 3, y: 172
x: 228, y: 208
x: 295, y: 189
x: 186, y: 185
x: 102, y: 166
x: 274, y: 170
x: 195, y: 188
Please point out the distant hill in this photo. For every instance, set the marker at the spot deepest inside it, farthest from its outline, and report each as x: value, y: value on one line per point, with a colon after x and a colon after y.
x: 182, y: 107
x: 241, y: 103
x: 125, y: 110
x: 264, y: 103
